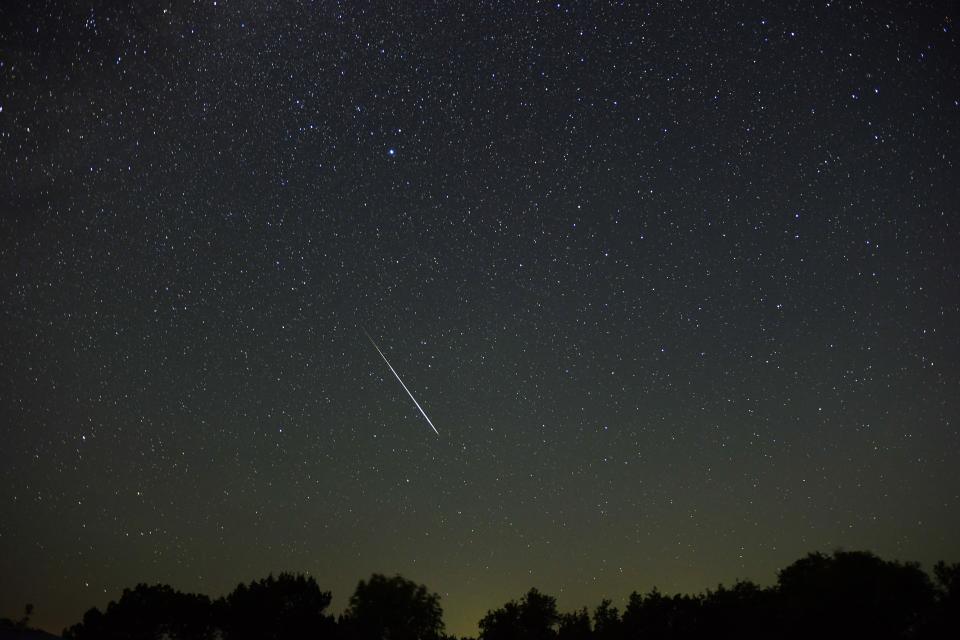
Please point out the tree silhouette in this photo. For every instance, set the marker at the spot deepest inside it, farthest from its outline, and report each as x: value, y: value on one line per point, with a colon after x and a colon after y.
x: 948, y: 582
x: 8, y: 626
x: 852, y: 594
x: 944, y: 619
x: 843, y: 595
x: 392, y: 608
x: 288, y: 606
x: 743, y: 611
x: 606, y: 622
x: 574, y: 626
x: 146, y: 613
x: 24, y: 622
x: 533, y: 618
x: 658, y: 616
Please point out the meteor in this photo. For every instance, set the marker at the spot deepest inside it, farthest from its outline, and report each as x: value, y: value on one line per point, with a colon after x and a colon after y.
x: 397, y: 375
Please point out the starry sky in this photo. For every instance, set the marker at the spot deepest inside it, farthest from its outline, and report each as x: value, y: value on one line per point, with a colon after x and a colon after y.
x: 677, y: 282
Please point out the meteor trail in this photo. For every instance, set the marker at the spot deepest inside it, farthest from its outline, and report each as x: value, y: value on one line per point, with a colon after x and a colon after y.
x: 397, y: 375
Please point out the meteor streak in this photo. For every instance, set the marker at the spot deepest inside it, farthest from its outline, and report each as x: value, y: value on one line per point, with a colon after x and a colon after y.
x: 397, y: 375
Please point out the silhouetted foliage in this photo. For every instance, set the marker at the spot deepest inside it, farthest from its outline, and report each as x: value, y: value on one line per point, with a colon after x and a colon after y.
x: 393, y: 608
x: 853, y: 594
x: 743, y: 611
x: 574, y: 626
x: 944, y: 620
x: 606, y: 622
x: 146, y: 613
x: 288, y: 606
x: 948, y: 581
x: 8, y: 625
x: 658, y: 616
x: 20, y: 629
x: 843, y: 595
x: 533, y: 618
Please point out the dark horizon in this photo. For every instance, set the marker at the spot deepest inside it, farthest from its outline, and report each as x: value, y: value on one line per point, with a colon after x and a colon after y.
x: 833, y: 595
x: 669, y: 293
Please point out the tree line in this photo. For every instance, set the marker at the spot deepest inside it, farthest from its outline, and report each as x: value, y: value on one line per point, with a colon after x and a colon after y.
x: 847, y: 594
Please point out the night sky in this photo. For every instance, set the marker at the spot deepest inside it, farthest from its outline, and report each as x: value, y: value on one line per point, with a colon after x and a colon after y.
x: 677, y: 283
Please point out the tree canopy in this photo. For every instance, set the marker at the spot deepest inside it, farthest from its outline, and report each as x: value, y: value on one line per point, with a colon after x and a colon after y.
x: 845, y: 594
x: 288, y: 606
x: 393, y: 608
x: 533, y: 618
